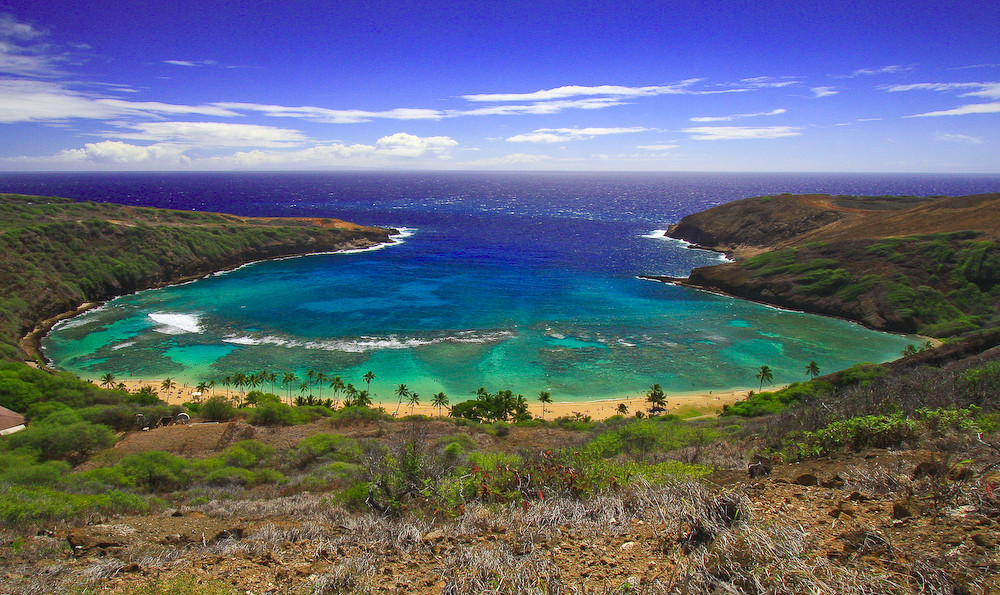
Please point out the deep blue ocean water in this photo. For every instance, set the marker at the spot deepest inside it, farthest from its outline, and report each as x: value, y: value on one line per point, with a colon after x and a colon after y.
x: 501, y: 280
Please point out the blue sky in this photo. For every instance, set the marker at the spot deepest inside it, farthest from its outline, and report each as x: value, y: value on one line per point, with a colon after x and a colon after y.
x: 802, y: 86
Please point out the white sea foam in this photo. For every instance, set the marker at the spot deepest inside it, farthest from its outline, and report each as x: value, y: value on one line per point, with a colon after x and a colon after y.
x: 367, y: 344
x: 661, y: 234
x: 123, y: 345
x: 175, y: 324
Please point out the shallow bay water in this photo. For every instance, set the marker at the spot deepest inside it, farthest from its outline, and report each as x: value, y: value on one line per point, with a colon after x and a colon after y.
x: 502, y: 281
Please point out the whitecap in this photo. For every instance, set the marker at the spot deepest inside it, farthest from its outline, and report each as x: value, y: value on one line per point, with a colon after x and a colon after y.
x: 661, y: 234
x: 123, y: 345
x: 367, y: 344
x: 175, y: 324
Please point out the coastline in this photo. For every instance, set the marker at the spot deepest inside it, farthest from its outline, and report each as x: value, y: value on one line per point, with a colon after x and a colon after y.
x: 31, y: 342
x: 688, y: 405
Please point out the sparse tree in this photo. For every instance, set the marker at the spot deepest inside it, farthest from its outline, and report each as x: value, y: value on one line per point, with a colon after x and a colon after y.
x: 812, y: 370
x: 440, y: 401
x: 168, y: 384
x: 764, y: 374
x: 108, y: 380
x: 656, y: 397
x: 545, y: 397
x: 622, y: 409
x: 413, y: 400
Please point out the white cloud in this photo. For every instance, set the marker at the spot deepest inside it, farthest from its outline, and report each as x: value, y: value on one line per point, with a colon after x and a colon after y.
x: 22, y: 53
x: 958, y: 138
x: 395, y: 149
x: 166, y: 108
x: 763, y: 82
x: 657, y: 147
x: 774, y: 112
x: 568, y: 91
x: 558, y: 135
x: 402, y: 144
x: 191, y: 62
x: 893, y: 69
x: 507, y: 160
x: 119, y: 153
x: 987, y: 90
x: 213, y: 134
x: 975, y: 108
x: 824, y: 91
x: 23, y: 100
x: 333, y: 116
x: 541, y: 108
x: 741, y: 132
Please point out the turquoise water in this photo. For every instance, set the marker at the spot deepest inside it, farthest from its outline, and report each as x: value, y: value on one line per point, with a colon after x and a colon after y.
x: 525, y: 282
x: 445, y: 320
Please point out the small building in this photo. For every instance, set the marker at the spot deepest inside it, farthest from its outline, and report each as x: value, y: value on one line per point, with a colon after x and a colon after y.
x: 10, y: 421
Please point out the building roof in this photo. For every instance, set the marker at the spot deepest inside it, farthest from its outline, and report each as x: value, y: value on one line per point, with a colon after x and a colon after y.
x: 9, y: 419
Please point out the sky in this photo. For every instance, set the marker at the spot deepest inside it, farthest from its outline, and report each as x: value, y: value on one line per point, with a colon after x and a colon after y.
x: 817, y: 86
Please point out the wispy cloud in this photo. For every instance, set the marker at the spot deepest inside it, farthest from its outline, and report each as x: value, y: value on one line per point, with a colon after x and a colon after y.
x: 774, y: 112
x: 741, y: 132
x: 568, y: 91
x: 333, y: 116
x: 963, y: 110
x: 22, y: 52
x: 657, y: 147
x: 765, y: 82
x: 212, y: 134
x: 401, y: 148
x: 28, y: 100
x: 514, y: 159
x: 824, y: 91
x: 893, y: 69
x: 958, y: 138
x: 191, y: 63
x: 558, y: 135
x: 989, y: 90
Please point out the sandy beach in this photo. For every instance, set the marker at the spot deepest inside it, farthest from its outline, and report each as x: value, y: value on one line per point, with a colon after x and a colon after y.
x: 685, y: 404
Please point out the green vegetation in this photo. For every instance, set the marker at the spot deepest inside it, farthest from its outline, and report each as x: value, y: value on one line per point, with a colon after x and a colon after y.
x: 938, y: 284
x: 60, y: 253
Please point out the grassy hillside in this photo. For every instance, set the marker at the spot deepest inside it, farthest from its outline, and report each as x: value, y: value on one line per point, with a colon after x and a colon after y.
x: 884, y: 477
x: 57, y: 253
x: 912, y: 265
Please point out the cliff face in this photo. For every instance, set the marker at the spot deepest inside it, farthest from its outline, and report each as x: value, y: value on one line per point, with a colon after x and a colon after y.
x: 57, y: 253
x: 894, y: 263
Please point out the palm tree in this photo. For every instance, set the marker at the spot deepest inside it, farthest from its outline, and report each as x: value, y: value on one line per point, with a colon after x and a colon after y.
x: 107, y: 380
x: 656, y: 396
x: 368, y: 377
x: 320, y: 379
x: 311, y: 374
x: 909, y: 350
x: 402, y: 392
x: 121, y: 386
x: 440, y: 401
x: 622, y: 409
x: 287, y: 379
x: 545, y: 397
x: 226, y: 382
x: 202, y: 388
x: 361, y: 397
x: 764, y: 374
x: 413, y: 400
x: 168, y: 384
x: 240, y: 381
x: 812, y: 370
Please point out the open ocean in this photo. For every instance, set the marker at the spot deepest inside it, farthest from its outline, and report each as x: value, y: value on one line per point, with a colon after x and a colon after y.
x: 521, y: 281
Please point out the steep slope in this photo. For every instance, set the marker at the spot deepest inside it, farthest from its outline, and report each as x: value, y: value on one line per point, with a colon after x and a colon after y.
x: 57, y: 254
x: 895, y: 263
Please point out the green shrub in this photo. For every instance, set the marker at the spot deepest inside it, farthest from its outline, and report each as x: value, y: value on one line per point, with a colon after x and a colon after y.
x: 155, y: 470
x: 328, y: 446
x: 29, y: 505
x: 53, y: 440
x: 217, y: 409
x: 22, y: 469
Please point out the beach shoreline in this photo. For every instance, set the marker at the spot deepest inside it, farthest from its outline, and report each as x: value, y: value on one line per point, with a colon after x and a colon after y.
x: 688, y: 404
